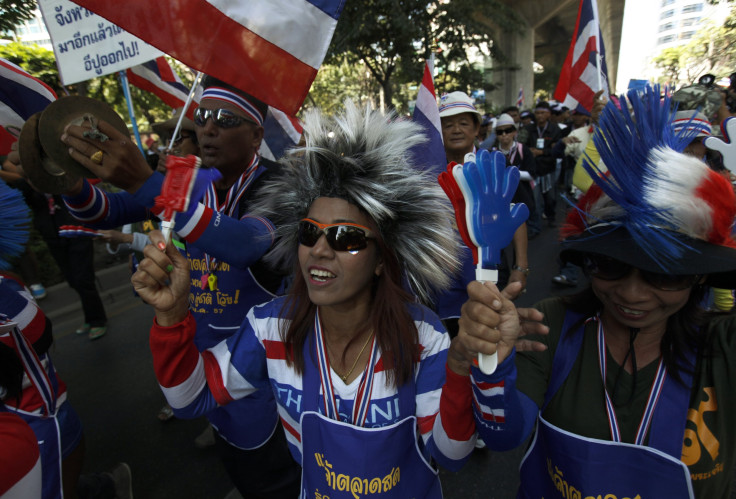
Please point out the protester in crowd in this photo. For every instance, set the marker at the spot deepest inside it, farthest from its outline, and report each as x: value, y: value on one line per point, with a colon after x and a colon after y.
x: 460, y: 119
x: 517, y: 155
x: 541, y: 138
x: 357, y: 366
x: 578, y: 145
x: 224, y: 247
x: 184, y: 143
x: 29, y: 384
x: 513, y: 111
x: 697, y: 126
x: 636, y: 374
x: 486, y: 132
x: 20, y: 459
x: 73, y: 255
x: 526, y: 117
x: 27, y: 264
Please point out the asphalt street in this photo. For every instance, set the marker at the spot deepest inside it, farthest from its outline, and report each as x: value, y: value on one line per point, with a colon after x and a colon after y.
x: 112, y: 386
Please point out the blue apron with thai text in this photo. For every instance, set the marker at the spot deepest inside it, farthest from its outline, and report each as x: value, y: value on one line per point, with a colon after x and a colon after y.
x: 341, y: 460
x: 563, y: 464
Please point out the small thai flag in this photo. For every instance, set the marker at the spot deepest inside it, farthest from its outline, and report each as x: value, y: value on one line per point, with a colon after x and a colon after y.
x: 430, y: 156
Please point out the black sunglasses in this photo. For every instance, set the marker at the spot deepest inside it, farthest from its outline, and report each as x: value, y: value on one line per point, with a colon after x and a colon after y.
x: 608, y: 269
x: 182, y: 137
x: 340, y: 236
x: 504, y: 131
x: 223, y: 118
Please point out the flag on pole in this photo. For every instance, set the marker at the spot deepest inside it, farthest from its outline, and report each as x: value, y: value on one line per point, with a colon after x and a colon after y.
x: 271, y: 50
x: 21, y: 95
x: 584, y: 71
x: 280, y: 132
x: 157, y: 77
x: 520, y: 98
x: 430, y: 156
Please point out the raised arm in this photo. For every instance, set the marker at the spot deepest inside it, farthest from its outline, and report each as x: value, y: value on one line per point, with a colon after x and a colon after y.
x: 489, y: 322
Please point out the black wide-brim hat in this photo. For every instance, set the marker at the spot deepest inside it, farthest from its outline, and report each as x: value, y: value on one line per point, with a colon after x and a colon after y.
x: 716, y: 262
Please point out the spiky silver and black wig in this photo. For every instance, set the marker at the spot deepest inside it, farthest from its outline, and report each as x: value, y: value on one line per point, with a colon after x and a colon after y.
x: 362, y: 156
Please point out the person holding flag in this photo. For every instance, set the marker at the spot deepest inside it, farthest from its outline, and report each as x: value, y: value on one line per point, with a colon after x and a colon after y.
x: 224, y: 247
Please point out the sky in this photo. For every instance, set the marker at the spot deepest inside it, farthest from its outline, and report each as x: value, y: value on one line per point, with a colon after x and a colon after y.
x: 637, y: 40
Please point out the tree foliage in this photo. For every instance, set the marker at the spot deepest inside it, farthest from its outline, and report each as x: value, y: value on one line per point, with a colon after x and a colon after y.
x: 394, y: 38
x: 41, y: 63
x: 712, y: 50
x: 14, y: 12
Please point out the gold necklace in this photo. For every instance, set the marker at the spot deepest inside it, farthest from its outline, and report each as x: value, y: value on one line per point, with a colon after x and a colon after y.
x: 347, y: 375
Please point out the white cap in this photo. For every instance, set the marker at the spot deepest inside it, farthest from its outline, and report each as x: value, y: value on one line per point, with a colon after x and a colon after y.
x: 504, y: 120
x: 457, y: 103
x: 693, y: 121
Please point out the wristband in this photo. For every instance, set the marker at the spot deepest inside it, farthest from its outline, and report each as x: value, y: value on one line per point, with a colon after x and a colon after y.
x: 523, y: 270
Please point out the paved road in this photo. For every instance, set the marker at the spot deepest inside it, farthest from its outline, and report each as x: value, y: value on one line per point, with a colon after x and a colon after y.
x: 113, y: 388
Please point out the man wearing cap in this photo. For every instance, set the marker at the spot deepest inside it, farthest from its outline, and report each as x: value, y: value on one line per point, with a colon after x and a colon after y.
x: 224, y: 247
x: 541, y: 138
x: 526, y: 118
x: 460, y: 122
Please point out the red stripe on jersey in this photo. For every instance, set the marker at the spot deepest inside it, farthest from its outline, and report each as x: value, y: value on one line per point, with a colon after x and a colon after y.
x: 291, y: 429
x: 457, y: 395
x: 201, y: 225
x: 426, y: 423
x: 276, y: 349
x: 175, y: 355
x: 214, y: 378
x: 488, y: 416
x: 487, y: 386
x: 36, y: 327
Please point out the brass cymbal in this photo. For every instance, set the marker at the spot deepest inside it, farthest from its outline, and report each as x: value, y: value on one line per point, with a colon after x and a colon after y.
x: 42, y: 172
x: 72, y: 110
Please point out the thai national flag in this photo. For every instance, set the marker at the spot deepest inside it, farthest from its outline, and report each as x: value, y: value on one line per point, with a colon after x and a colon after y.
x: 520, y: 98
x: 584, y: 71
x: 21, y: 95
x: 157, y: 77
x: 430, y: 156
x: 280, y: 132
x: 270, y: 49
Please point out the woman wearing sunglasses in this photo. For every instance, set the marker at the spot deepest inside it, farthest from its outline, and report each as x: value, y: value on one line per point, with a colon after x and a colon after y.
x: 635, y: 395
x: 360, y: 370
x: 518, y: 155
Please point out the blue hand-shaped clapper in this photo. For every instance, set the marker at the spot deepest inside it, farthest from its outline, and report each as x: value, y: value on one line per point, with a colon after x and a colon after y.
x: 493, y: 217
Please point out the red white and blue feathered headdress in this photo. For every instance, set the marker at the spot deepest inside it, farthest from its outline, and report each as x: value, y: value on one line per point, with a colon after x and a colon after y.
x: 656, y: 208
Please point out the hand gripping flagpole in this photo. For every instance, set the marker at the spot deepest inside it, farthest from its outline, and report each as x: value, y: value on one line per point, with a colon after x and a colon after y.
x: 481, y: 191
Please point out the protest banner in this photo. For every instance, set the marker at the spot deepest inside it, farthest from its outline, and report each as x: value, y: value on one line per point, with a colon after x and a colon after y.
x: 87, y: 45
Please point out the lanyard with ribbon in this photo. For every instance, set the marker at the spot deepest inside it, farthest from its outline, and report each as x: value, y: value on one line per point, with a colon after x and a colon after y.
x: 31, y: 365
x: 654, y: 394
x: 229, y: 206
x: 363, y: 395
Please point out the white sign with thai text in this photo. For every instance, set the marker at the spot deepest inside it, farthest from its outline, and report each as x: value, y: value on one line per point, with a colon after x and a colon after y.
x: 87, y: 45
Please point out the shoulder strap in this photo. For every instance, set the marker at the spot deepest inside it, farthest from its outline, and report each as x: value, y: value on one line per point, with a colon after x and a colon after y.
x: 566, y: 353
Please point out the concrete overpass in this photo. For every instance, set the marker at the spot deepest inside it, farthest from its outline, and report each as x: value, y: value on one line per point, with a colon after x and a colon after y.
x: 545, y: 39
